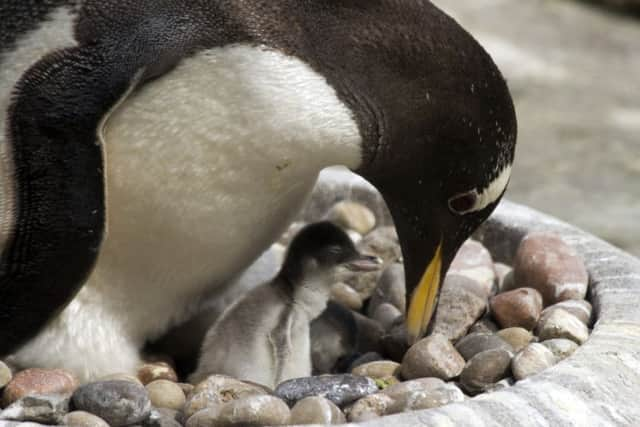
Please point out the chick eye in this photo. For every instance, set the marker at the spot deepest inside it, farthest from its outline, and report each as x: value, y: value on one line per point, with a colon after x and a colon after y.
x: 463, y: 203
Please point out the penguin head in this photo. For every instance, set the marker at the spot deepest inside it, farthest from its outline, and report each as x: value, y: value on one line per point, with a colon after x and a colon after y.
x: 323, y: 248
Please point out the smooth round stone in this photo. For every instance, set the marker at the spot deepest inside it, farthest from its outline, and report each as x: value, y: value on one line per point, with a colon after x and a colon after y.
x: 340, y: 389
x: 484, y: 325
x: 386, y: 315
x: 119, y: 403
x: 433, y: 356
x: 121, y: 377
x: 390, y: 289
x: 371, y: 356
x: 369, y: 408
x: 207, y: 417
x: 38, y: 381
x: 352, y: 216
x: 316, y: 410
x: 580, y: 308
x: 518, y: 308
x: 560, y: 347
x: 254, y: 411
x: 474, y: 261
x: 532, y: 360
x: 546, y: 263
x: 83, y: 419
x: 561, y: 324
x: 5, y: 374
x: 378, y: 369
x: 478, y: 342
x: 156, y: 371
x: 518, y: 338
x: 345, y: 295
x: 485, y: 369
x: 216, y: 390
x: 166, y: 394
x: 424, y: 393
x: 46, y: 409
x: 459, y: 306
x: 186, y: 388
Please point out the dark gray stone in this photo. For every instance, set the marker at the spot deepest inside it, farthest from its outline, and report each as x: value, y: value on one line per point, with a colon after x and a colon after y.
x: 485, y: 369
x: 478, y: 342
x: 119, y: 403
x: 340, y: 389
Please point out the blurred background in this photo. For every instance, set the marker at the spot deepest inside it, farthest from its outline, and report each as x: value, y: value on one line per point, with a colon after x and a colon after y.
x: 574, y: 71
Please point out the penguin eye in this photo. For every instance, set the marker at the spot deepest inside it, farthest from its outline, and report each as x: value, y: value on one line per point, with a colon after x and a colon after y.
x: 463, y: 203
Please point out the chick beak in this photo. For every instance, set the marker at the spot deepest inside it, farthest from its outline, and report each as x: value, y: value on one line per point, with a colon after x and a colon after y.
x: 364, y: 263
x: 424, y: 299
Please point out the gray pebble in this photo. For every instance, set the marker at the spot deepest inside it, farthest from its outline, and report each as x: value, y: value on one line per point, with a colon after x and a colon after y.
x: 83, y: 419
x: 254, y: 411
x: 340, y: 389
x: 162, y: 417
x: 424, y: 393
x: 518, y: 338
x: 580, y: 308
x: 48, y: 409
x: 386, y: 315
x: 478, y: 342
x: 206, y: 417
x: 166, y: 394
x: 316, y: 410
x: 560, y: 347
x: 390, y: 289
x: 459, y: 306
x: 485, y: 369
x: 534, y: 359
x: 485, y: 324
x: 378, y: 369
x: 119, y: 403
x: 369, y: 408
x: 433, y: 356
x: 216, y: 390
x: 562, y: 324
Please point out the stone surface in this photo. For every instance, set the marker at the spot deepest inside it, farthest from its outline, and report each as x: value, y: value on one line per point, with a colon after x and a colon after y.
x: 217, y: 390
x: 546, y: 263
x: 433, y: 356
x: 48, y: 409
x: 581, y: 309
x: 38, y: 381
x: 458, y: 308
x: 562, y: 324
x: 163, y: 417
x: 504, y: 275
x: 83, y: 419
x: 390, y: 289
x: 378, y: 369
x: 518, y: 338
x: 316, y: 410
x: 206, y: 417
x: 119, y: 403
x: 345, y: 295
x: 532, y: 360
x: 5, y: 374
x: 156, y: 371
x: 485, y: 324
x: 424, y: 393
x: 386, y: 315
x: 474, y: 261
x: 369, y: 407
x: 121, y: 377
x: 517, y: 308
x: 340, y: 389
x: 166, y: 394
x: 560, y: 347
x: 352, y: 216
x: 254, y: 411
x: 478, y: 342
x: 485, y: 369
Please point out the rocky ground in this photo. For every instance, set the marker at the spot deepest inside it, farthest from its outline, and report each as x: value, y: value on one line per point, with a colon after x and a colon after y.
x: 573, y: 69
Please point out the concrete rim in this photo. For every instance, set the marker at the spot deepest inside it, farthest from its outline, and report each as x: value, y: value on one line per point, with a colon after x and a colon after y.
x: 599, y: 384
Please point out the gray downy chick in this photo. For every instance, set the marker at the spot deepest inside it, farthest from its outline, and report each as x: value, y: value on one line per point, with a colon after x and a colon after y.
x: 264, y: 336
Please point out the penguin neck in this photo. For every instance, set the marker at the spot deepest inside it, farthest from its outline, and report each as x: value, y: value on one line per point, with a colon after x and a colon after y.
x: 311, y: 293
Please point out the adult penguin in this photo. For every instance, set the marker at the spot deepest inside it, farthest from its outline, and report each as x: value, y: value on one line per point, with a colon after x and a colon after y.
x: 151, y: 149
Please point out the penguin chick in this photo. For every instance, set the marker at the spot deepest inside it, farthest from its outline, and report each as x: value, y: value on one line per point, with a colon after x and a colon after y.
x: 264, y: 336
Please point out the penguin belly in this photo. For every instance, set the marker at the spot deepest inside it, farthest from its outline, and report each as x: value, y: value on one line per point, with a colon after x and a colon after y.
x: 205, y: 166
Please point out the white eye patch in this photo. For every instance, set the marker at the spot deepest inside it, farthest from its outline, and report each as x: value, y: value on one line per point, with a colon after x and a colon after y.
x: 474, y: 200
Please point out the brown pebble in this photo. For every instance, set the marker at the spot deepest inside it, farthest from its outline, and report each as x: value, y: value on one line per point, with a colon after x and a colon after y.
x: 156, y: 371
x: 433, y: 356
x: 377, y: 369
x: 39, y: 381
x: 581, y: 309
x: 519, y: 338
x: 83, y: 419
x: 166, y: 394
x: 518, y: 308
x: 316, y: 410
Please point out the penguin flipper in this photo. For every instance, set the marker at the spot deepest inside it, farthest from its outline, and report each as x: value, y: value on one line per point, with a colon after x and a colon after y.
x: 59, y: 194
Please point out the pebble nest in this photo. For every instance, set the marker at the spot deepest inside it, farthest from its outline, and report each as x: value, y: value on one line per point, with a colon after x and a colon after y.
x: 495, y: 325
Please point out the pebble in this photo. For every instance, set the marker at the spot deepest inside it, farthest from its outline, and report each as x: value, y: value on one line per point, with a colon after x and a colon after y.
x: 580, y: 308
x: 156, y: 371
x: 38, y: 381
x: 532, y: 360
x: 216, y: 390
x: 163, y: 417
x: 119, y: 403
x: 207, y: 417
x: 5, y: 374
x: 371, y: 356
x: 458, y: 308
x: 254, y: 411
x: 545, y: 262
x: 560, y: 347
x: 562, y: 324
x: 166, y: 394
x: 485, y: 324
x: 424, y: 393
x: 352, y: 216
x: 121, y: 377
x: 390, y: 289
x: 378, y: 369
x: 517, y: 308
x: 478, y: 342
x: 345, y: 295
x: 341, y: 389
x: 369, y: 408
x: 433, y: 356
x: 386, y: 315
x: 474, y: 261
x: 504, y: 274
x: 518, y: 338
x: 83, y: 419
x: 485, y: 369
x: 48, y: 409
x: 316, y: 410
